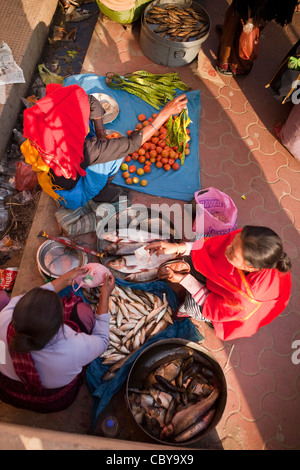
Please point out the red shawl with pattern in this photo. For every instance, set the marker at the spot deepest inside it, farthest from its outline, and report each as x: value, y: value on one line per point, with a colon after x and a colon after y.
x: 238, y: 303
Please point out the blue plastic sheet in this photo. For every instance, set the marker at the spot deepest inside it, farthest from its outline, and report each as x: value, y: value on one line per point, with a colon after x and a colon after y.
x: 181, y: 184
x: 103, y: 391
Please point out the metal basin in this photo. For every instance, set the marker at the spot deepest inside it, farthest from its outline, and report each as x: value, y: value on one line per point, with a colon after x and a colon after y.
x: 55, y: 259
x: 148, y: 361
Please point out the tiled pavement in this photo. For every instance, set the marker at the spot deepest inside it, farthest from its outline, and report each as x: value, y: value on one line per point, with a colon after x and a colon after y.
x: 240, y: 155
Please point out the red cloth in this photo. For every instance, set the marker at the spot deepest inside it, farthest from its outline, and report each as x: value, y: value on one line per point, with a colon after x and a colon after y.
x: 57, y: 126
x: 238, y: 304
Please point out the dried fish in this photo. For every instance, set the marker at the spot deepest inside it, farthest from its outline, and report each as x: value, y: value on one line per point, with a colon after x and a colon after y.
x: 178, y: 22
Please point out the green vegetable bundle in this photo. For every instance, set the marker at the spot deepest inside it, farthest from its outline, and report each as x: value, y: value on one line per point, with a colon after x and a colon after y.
x: 294, y: 63
x: 177, y: 132
x: 155, y: 89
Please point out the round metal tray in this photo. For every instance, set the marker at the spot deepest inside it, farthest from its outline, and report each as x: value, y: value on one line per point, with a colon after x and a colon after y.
x: 55, y: 259
x: 110, y: 106
x: 145, y: 219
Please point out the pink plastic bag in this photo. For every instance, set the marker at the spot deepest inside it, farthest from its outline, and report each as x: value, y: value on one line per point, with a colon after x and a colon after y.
x: 94, y: 278
x: 216, y: 213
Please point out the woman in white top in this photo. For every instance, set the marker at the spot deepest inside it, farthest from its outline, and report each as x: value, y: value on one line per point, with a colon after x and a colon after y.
x: 46, y: 344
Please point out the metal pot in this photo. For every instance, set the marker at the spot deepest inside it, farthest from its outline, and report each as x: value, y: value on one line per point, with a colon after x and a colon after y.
x: 147, y: 361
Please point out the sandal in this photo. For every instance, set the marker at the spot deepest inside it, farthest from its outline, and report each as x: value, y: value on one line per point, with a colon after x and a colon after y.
x: 223, y: 72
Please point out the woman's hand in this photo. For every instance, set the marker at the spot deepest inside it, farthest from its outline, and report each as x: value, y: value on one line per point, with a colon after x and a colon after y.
x: 167, y: 274
x: 172, y: 107
x: 175, y: 272
x: 166, y: 248
x: 67, y: 279
x: 108, y: 285
x: 106, y: 289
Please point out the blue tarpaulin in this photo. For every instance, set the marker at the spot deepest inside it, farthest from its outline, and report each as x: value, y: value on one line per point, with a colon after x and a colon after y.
x: 181, y: 184
x: 103, y: 391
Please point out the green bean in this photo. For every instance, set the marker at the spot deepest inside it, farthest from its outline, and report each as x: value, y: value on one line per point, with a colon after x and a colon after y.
x: 155, y: 89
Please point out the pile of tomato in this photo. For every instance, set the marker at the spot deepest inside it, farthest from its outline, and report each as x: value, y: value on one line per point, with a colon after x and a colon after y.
x: 155, y: 152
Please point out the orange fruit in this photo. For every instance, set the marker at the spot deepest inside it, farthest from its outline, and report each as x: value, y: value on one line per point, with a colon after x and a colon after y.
x: 135, y: 180
x: 126, y: 174
x: 132, y: 169
x: 167, y: 167
x: 153, y: 153
x: 140, y: 171
x: 144, y: 183
x: 142, y: 117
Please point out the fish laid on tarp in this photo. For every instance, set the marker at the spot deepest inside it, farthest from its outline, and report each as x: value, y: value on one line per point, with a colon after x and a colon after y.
x: 176, y: 399
x: 135, y: 317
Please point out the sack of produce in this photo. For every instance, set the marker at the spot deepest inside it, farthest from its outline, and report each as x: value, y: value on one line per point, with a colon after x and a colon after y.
x: 123, y: 11
x: 216, y: 213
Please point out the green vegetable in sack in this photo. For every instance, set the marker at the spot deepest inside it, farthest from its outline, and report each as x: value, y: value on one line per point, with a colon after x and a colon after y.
x: 294, y: 63
x: 49, y: 77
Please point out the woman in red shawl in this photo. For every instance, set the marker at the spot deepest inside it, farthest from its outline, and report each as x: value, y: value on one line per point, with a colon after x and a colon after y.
x: 246, y: 279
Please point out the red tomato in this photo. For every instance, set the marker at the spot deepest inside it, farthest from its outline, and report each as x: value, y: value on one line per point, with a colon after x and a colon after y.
x: 164, y: 160
x: 132, y: 169
x: 128, y: 159
x: 171, y: 161
x: 142, y: 117
x: 159, y: 165
x: 129, y: 181
x: 147, y: 168
x: 142, y: 159
x: 175, y: 166
x: 135, y: 156
x: 167, y: 167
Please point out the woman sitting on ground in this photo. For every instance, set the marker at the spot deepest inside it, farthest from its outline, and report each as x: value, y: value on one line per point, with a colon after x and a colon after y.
x: 239, y: 282
x: 49, y: 342
x: 64, y: 141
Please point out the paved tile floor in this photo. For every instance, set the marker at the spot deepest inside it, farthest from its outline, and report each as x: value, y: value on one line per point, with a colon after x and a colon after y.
x: 240, y: 155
